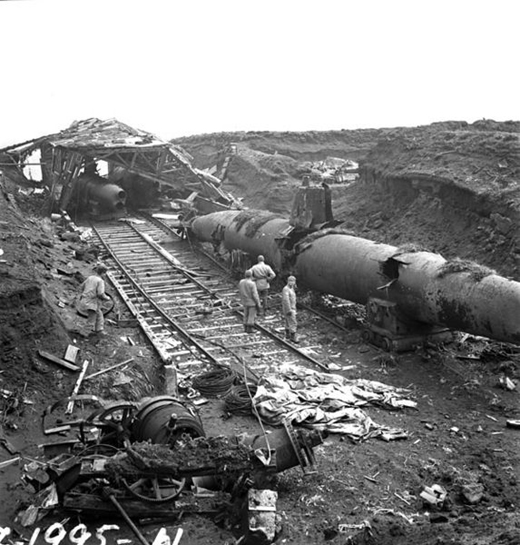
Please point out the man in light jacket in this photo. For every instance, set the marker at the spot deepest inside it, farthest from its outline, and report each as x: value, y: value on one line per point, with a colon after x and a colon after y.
x: 262, y: 275
x: 289, y: 309
x: 92, y: 295
x: 249, y: 299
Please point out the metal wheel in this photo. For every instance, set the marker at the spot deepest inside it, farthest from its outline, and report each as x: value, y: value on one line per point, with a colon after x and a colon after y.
x: 387, y: 344
x: 155, y: 489
x: 115, y: 422
x: 366, y: 336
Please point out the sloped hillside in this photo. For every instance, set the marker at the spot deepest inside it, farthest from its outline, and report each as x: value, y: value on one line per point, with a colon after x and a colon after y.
x: 451, y: 187
x: 266, y: 167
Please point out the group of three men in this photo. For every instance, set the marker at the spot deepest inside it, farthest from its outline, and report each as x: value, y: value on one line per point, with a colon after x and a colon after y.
x: 253, y: 290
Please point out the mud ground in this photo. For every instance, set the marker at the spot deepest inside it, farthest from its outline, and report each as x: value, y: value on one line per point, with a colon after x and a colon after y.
x: 362, y: 493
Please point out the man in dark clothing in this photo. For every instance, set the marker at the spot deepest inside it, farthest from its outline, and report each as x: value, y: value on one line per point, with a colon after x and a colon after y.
x: 249, y: 299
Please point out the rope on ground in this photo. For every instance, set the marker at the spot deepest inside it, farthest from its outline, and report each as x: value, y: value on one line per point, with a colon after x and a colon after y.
x: 215, y: 383
x: 239, y: 399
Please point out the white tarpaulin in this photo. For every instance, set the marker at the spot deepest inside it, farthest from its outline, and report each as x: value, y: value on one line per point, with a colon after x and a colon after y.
x: 327, y: 402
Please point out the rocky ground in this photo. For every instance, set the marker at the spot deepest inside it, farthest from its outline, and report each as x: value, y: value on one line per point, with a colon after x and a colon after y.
x: 414, y: 187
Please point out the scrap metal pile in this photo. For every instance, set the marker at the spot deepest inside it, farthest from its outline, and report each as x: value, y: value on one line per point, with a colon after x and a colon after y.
x: 151, y: 460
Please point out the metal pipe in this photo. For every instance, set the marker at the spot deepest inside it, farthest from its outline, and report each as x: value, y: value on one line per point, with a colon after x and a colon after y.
x: 108, y: 494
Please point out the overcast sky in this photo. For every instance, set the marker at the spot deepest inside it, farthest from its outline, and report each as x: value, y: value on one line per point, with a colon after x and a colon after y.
x: 176, y: 68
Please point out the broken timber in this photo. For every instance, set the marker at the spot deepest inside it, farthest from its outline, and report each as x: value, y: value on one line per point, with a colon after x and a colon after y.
x: 59, y: 361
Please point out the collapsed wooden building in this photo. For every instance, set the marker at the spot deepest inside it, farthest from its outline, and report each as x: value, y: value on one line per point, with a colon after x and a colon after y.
x: 132, y: 155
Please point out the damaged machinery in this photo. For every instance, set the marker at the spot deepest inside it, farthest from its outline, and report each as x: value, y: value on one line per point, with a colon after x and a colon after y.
x: 412, y: 296
x: 152, y: 460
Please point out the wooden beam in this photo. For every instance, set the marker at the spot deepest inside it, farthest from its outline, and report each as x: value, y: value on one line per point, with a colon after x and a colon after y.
x: 160, y: 162
x: 59, y: 361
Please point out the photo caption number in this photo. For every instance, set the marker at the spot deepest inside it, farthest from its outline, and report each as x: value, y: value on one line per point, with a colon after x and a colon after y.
x: 79, y: 535
x: 4, y: 532
x: 101, y: 531
x: 59, y: 533
x: 80, y: 539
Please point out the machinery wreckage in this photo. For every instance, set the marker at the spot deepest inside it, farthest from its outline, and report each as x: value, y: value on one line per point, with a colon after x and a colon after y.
x: 151, y: 460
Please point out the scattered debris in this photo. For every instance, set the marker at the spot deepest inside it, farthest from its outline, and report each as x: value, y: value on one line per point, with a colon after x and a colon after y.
x: 7, y: 463
x: 506, y: 383
x: 513, y: 424
x: 472, y: 492
x: 434, y: 495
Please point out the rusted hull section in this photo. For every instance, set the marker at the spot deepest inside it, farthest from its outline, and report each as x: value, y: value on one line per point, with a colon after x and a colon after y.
x: 342, y: 265
x: 356, y: 269
x: 422, y: 284
x: 252, y: 231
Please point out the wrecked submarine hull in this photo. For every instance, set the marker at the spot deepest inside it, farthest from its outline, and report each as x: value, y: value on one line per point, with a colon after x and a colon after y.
x: 252, y: 231
x: 423, y: 285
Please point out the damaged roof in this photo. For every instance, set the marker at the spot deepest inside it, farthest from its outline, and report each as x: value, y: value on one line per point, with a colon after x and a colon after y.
x: 137, y: 151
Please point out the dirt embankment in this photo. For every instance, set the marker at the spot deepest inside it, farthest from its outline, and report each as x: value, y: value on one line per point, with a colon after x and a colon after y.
x: 451, y: 187
x: 26, y: 317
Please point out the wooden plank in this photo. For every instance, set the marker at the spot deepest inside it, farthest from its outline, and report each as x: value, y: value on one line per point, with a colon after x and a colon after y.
x: 59, y: 361
x: 109, y: 369
x: 70, y: 406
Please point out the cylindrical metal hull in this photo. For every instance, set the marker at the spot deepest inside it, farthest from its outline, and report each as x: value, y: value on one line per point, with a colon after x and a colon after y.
x: 354, y: 268
x: 110, y: 197
x: 253, y: 232
x: 357, y: 269
x: 342, y: 265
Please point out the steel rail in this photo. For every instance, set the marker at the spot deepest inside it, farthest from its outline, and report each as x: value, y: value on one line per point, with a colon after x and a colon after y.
x: 263, y: 329
x: 186, y: 335
x: 158, y: 309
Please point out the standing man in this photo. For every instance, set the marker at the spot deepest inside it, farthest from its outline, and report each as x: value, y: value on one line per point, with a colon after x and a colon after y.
x: 92, y: 295
x: 289, y: 309
x: 250, y: 300
x: 262, y: 275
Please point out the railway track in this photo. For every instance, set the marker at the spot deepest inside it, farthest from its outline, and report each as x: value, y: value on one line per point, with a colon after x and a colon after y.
x: 187, y: 306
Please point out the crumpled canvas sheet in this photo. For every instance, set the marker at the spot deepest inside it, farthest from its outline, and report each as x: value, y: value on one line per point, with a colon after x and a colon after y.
x: 327, y: 402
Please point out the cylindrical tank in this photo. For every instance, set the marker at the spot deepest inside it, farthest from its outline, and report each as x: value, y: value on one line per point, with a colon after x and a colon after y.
x: 164, y: 419
x: 110, y: 197
x: 342, y: 265
x: 253, y: 231
x: 356, y: 269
